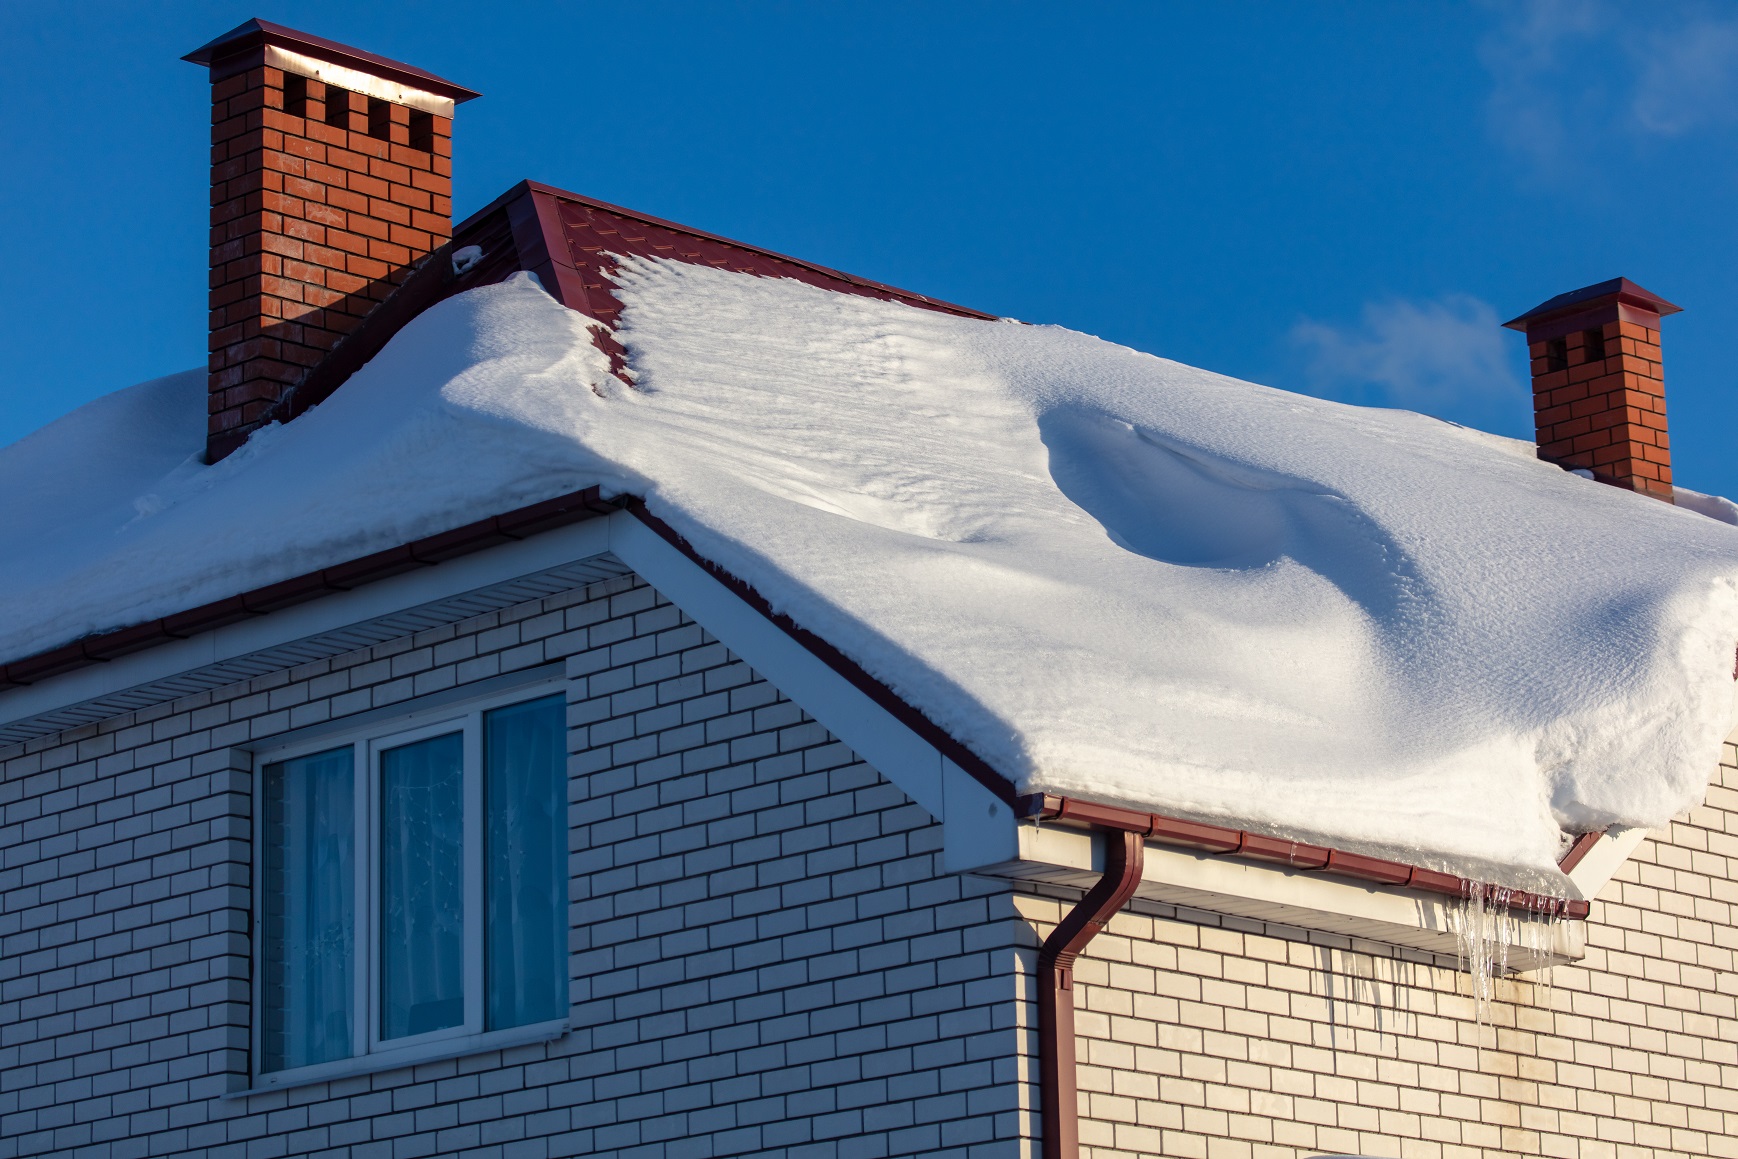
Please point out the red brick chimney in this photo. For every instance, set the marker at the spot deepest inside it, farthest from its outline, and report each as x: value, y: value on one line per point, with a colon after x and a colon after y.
x: 331, y: 177
x: 1599, y: 398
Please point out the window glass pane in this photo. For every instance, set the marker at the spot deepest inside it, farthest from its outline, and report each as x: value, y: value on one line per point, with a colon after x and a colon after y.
x: 525, y: 787
x: 422, y: 891
x: 308, y: 899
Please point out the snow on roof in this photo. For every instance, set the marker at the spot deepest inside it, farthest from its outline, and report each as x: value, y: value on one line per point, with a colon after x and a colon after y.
x: 1110, y: 575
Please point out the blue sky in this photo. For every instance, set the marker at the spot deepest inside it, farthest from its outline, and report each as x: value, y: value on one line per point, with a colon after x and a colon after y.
x: 1344, y: 199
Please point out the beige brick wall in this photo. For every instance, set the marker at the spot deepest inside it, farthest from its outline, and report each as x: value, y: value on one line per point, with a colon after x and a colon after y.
x: 1208, y: 1036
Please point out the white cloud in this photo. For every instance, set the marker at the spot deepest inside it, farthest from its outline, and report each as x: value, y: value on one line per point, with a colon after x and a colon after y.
x: 1688, y: 76
x: 1566, y: 73
x: 1528, y: 56
x: 1449, y: 357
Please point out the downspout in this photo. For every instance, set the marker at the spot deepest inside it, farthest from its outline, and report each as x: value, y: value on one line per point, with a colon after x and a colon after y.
x: 1059, y: 1095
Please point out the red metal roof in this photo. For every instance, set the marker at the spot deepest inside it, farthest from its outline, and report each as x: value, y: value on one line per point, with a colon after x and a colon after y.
x: 592, y: 231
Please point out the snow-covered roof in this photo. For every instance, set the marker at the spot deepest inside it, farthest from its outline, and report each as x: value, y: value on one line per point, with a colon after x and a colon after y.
x: 1109, y: 575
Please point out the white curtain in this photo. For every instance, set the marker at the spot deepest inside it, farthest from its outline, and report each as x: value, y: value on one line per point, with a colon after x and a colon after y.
x: 525, y: 787
x: 308, y: 918
x: 422, y: 893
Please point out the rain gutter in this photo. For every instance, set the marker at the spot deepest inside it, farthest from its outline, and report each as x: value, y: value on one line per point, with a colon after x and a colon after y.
x: 1298, y: 855
x: 1058, y: 1089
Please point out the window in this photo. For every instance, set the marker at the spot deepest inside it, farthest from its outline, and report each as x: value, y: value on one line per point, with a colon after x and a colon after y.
x: 413, y: 888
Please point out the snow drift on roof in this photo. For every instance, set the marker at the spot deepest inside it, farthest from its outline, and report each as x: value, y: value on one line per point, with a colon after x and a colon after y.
x: 1110, y: 575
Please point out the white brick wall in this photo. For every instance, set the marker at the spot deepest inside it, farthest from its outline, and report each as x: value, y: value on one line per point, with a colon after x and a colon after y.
x: 767, y: 957
x: 1203, y: 1036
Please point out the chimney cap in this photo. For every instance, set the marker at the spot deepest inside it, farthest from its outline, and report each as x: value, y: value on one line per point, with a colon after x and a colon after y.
x: 1616, y: 290
x: 256, y: 32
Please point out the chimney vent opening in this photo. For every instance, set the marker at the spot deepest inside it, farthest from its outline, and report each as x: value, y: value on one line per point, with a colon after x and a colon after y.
x: 295, y: 94
x: 337, y: 107
x: 422, y: 130
x: 1556, y: 355
x: 1593, y: 345
x: 379, y: 119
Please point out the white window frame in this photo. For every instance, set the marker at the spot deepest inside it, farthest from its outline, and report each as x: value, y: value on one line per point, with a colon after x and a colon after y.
x: 368, y: 1052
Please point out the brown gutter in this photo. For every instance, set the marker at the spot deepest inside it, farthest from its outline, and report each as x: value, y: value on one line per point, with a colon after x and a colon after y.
x: 1058, y: 1091
x: 1293, y: 854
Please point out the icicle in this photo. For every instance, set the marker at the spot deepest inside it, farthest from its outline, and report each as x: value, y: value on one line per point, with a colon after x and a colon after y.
x: 1485, y: 929
x: 1542, y: 945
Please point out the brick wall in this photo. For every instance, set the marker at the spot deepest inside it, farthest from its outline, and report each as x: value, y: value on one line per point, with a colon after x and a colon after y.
x: 767, y: 957
x: 1202, y: 1036
x: 1599, y: 401
x: 317, y: 212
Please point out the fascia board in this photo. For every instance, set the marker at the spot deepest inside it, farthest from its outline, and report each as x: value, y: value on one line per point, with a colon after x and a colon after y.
x: 1601, y: 863
x: 979, y: 829
x: 453, y: 577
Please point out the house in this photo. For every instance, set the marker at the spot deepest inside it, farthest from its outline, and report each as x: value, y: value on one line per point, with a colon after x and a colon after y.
x: 591, y: 687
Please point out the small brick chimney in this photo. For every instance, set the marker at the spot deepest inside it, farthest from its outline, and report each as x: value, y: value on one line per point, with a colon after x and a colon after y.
x: 1599, y: 398
x: 331, y: 177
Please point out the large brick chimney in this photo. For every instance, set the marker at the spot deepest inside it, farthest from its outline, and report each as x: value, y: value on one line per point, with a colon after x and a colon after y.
x: 1599, y: 397
x: 331, y: 177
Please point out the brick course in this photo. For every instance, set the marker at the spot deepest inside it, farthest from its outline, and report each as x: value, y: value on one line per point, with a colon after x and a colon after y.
x: 322, y: 201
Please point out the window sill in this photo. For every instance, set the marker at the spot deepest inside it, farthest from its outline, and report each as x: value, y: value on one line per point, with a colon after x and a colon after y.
x: 383, y: 1060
